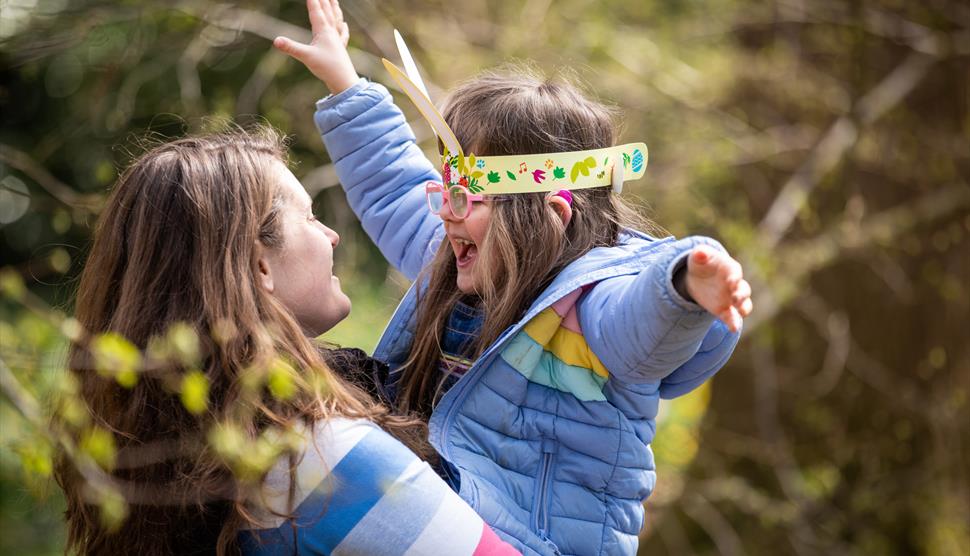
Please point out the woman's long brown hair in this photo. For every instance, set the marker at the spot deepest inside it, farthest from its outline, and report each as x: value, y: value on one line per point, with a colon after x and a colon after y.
x: 515, y: 111
x: 178, y: 242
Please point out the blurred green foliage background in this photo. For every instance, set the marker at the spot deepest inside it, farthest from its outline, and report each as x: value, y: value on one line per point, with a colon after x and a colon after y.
x: 825, y: 142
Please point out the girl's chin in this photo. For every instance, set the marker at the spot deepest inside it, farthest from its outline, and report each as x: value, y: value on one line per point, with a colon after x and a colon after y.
x: 466, y: 284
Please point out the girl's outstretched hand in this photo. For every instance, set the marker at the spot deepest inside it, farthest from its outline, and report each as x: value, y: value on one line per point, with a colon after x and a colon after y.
x: 326, y: 55
x: 714, y: 280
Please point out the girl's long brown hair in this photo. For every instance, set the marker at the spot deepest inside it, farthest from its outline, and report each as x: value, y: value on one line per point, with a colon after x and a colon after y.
x: 178, y: 242
x: 515, y: 111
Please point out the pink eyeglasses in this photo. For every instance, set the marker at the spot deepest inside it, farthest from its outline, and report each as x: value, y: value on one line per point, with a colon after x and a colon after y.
x: 459, y: 199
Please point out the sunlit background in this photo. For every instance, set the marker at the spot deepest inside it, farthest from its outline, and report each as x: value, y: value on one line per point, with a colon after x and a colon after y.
x: 826, y: 143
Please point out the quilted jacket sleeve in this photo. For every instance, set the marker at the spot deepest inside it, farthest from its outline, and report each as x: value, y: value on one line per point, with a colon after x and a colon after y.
x: 644, y: 331
x: 383, y: 172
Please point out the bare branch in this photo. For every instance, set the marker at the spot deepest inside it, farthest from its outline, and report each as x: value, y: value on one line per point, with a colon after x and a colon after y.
x: 839, y: 138
x: 57, y: 189
x: 808, y: 256
x: 255, y: 86
x: 714, y: 524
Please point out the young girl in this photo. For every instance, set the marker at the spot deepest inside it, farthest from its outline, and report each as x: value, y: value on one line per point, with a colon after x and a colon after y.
x: 542, y: 329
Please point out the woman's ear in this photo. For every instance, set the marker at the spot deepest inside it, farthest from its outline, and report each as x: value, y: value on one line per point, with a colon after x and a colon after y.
x: 265, y: 272
x: 562, y: 207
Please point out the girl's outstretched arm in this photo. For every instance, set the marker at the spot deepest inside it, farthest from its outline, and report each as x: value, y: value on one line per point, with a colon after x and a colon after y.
x: 662, y: 323
x: 371, y: 145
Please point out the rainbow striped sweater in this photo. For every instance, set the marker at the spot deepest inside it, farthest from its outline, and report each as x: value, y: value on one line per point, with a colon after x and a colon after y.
x: 357, y: 490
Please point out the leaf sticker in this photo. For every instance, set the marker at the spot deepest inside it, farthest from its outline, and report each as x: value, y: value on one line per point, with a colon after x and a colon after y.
x: 582, y: 167
x: 477, y: 174
x: 559, y: 173
x: 493, y: 177
x: 510, y: 175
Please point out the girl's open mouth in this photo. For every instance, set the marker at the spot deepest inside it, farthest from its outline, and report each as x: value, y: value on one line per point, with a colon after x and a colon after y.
x: 465, y: 251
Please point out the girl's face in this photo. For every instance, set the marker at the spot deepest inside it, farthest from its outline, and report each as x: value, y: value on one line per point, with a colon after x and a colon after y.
x: 300, y: 273
x: 466, y: 237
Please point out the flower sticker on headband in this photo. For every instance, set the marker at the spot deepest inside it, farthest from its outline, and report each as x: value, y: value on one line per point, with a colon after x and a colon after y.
x: 503, y: 175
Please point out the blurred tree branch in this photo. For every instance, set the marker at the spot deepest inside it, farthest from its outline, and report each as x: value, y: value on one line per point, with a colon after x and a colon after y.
x: 57, y: 189
x: 801, y: 258
x: 839, y: 138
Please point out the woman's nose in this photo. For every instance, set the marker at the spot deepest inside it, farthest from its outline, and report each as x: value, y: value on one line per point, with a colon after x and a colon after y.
x: 334, y: 237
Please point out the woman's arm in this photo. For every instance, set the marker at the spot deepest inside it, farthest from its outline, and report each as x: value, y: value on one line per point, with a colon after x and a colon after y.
x: 371, y: 145
x: 644, y: 329
x: 360, y: 491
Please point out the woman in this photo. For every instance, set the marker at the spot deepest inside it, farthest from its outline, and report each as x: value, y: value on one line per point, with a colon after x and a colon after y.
x: 213, y: 235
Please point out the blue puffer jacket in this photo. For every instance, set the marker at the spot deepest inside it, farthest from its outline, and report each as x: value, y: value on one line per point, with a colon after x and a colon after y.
x: 550, y: 428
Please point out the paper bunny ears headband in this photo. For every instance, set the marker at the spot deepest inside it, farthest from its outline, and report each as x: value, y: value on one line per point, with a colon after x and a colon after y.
x: 528, y: 173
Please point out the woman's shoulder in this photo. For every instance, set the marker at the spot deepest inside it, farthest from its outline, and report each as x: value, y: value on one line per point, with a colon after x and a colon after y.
x: 358, y: 490
x: 323, y: 447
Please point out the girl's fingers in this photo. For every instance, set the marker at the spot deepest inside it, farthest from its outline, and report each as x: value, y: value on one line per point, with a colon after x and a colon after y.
x: 291, y: 47
x: 316, y: 15
x: 741, y: 292
x: 326, y: 7
x: 746, y: 307
x: 337, y: 11
x: 732, y: 319
x: 734, y: 273
x: 344, y: 33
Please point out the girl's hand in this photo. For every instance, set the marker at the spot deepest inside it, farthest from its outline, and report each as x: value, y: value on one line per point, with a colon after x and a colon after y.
x: 714, y: 280
x: 326, y: 55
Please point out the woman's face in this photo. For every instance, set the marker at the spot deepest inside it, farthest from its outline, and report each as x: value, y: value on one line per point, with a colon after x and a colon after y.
x: 300, y: 273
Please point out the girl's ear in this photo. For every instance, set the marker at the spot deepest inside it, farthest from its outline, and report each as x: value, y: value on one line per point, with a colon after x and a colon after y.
x: 562, y: 207
x: 265, y: 272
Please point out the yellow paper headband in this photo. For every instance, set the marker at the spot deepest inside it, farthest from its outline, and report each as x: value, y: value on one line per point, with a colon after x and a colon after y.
x: 529, y: 173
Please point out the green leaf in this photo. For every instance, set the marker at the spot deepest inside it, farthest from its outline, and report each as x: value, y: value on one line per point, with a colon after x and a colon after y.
x: 116, y: 356
x: 227, y: 440
x: 590, y: 163
x: 559, y: 173
x: 11, y: 284
x: 476, y: 174
x: 280, y: 381
x: 195, y: 392
x: 626, y: 159
x: 183, y: 344
x: 493, y: 177
x: 112, y: 510
x: 99, y: 445
x: 510, y: 175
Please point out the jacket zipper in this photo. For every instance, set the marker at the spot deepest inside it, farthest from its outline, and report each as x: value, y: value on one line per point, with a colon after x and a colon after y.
x: 540, y: 513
